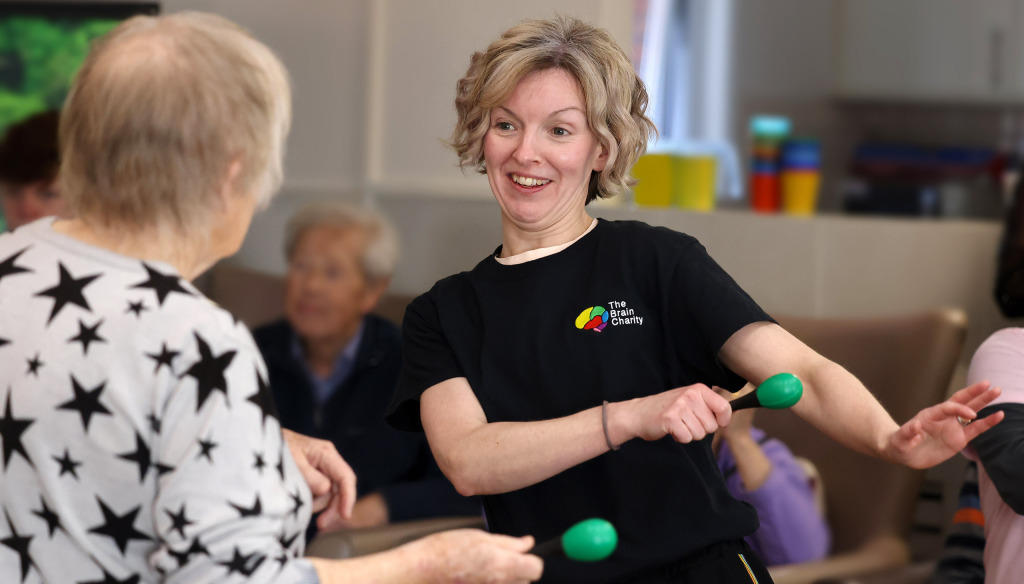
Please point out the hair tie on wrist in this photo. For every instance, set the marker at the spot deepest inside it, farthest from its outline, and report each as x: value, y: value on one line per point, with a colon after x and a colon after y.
x: 604, y: 424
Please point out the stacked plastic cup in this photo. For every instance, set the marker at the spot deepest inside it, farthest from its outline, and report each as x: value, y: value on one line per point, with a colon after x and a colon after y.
x: 768, y: 133
x: 801, y: 176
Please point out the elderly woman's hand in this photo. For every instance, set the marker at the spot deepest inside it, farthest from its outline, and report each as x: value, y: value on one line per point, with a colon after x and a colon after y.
x: 471, y: 556
x: 329, y: 477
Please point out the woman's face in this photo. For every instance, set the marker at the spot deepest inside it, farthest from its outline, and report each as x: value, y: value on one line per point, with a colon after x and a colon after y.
x: 326, y: 291
x: 25, y: 203
x: 540, y: 152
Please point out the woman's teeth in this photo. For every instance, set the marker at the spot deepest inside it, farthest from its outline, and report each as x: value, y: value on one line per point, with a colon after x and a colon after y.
x: 528, y: 182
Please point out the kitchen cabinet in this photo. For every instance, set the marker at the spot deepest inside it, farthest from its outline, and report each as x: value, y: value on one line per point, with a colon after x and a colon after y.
x: 942, y: 50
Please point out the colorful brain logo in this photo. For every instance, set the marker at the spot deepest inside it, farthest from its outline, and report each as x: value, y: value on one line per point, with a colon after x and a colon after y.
x: 594, y: 318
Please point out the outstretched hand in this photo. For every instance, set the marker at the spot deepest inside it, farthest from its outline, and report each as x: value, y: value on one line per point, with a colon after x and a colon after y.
x: 937, y: 433
x: 330, y: 478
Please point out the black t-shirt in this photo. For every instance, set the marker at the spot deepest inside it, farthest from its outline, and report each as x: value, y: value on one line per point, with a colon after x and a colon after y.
x: 627, y: 311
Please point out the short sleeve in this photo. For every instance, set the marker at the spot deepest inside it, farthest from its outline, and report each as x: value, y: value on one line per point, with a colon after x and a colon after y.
x: 708, y: 308
x: 427, y: 359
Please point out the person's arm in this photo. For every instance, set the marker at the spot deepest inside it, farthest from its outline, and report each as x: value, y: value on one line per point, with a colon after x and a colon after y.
x: 752, y: 464
x: 480, y: 457
x: 468, y: 556
x: 839, y: 405
x: 427, y: 495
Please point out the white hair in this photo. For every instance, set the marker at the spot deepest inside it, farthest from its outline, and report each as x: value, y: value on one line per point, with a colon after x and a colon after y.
x: 381, y: 252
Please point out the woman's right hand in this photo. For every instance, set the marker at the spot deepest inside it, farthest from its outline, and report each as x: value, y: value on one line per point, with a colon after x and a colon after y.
x: 472, y: 556
x: 686, y: 413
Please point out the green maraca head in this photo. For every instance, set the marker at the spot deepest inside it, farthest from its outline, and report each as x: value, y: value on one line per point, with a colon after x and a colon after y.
x: 780, y: 391
x: 591, y: 540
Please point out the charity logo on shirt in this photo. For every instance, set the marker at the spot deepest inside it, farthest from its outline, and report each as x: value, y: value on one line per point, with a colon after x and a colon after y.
x: 596, y: 318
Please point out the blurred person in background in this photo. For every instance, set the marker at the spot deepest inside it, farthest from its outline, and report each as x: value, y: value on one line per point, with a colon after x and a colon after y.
x: 333, y: 366
x: 29, y: 160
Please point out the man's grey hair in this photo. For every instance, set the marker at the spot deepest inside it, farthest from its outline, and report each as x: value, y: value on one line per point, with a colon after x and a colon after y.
x: 381, y: 252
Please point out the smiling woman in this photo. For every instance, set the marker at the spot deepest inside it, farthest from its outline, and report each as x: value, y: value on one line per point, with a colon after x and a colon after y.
x: 540, y: 154
x: 580, y: 337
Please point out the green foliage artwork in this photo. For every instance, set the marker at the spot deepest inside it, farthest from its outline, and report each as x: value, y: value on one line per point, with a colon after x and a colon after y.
x: 38, y: 58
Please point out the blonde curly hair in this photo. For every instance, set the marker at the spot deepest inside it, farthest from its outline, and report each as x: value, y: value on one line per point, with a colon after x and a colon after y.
x: 614, y: 95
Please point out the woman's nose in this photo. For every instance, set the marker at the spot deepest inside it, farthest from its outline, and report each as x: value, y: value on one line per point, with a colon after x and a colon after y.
x: 526, y: 150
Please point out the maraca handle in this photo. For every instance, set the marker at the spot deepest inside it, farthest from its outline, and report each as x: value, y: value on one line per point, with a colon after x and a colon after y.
x: 551, y: 548
x: 748, y: 401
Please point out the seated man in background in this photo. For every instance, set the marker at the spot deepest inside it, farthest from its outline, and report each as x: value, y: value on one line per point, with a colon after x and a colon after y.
x: 29, y: 159
x: 333, y: 366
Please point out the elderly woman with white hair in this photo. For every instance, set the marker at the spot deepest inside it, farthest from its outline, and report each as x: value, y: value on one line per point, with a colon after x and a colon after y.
x: 139, y: 439
x: 333, y: 365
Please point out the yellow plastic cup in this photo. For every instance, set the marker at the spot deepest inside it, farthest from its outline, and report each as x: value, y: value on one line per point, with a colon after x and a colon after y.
x: 694, y: 182
x: 655, y: 180
x: 800, y: 191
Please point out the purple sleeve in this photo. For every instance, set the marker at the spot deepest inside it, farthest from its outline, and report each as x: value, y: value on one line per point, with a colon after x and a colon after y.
x: 792, y: 530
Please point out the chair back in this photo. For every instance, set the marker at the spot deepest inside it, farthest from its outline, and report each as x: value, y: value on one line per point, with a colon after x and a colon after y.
x: 907, y: 363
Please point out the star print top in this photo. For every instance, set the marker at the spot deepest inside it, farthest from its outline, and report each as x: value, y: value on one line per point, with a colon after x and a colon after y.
x: 139, y: 442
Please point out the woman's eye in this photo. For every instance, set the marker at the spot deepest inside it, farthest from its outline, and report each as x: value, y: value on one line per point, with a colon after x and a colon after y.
x: 504, y: 126
x: 560, y: 132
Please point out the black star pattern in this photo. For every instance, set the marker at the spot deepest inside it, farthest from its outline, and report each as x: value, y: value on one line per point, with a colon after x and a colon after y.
x: 164, y: 357
x: 33, y: 365
x: 196, y: 548
x: 179, y: 520
x: 67, y: 464
x: 86, y: 402
x: 137, y: 308
x: 120, y: 528
x: 263, y: 399
x: 162, y: 469
x: 7, y: 267
x: 140, y: 456
x: 256, y: 509
x: 154, y: 422
x: 297, y: 499
x: 11, y: 429
x: 109, y: 579
x: 241, y: 564
x: 260, y: 463
x: 4, y: 341
x: 206, y: 447
x: 46, y: 514
x: 286, y: 542
x: 280, y: 465
x: 162, y: 284
x: 68, y: 290
x: 20, y: 545
x: 208, y: 372
x: 86, y: 335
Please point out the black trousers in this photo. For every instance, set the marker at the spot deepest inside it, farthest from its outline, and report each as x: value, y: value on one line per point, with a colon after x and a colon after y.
x: 731, y: 562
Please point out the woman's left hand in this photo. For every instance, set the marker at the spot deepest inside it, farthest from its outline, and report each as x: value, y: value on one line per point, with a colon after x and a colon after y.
x: 330, y: 478
x: 936, y: 433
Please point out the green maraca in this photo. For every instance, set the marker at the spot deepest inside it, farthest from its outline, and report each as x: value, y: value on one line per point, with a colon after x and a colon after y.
x: 590, y: 540
x: 779, y: 391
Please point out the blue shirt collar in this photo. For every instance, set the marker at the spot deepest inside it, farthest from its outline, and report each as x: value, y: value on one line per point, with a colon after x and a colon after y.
x: 325, y: 387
